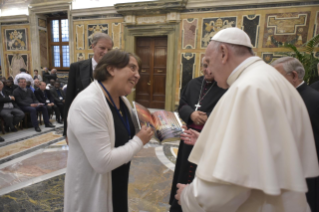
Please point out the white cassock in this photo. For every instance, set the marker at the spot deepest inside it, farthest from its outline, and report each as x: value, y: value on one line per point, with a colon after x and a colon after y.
x: 256, y: 148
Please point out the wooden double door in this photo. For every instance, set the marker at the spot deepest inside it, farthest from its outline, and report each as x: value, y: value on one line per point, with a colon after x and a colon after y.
x: 150, y: 91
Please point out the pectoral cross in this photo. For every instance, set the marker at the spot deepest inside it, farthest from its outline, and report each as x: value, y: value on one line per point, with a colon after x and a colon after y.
x: 197, y: 106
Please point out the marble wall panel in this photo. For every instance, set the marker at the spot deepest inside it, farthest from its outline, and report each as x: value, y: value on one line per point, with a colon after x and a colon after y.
x: 96, y: 28
x: 80, y: 40
x: 282, y: 28
x: 189, y: 34
x: 16, y: 39
x: 90, y: 55
x: 211, y: 26
x: 43, y: 36
x: 42, y: 23
x: 251, y: 27
x: 80, y: 56
x: 187, y: 68
x: 117, y: 35
x: 270, y: 57
x: 15, y: 62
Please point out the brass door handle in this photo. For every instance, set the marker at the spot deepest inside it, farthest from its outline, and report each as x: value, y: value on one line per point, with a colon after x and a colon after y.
x: 159, y: 71
x: 149, y: 83
x: 143, y: 71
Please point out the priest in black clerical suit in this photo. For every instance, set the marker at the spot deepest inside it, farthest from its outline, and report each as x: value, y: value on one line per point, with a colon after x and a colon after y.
x: 201, y: 93
x: 80, y: 74
x: 311, y: 99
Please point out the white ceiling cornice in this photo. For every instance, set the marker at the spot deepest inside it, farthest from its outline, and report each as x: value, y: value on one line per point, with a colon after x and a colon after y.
x: 222, y: 3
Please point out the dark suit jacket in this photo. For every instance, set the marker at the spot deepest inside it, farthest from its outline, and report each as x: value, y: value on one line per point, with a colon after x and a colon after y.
x: 80, y: 76
x: 311, y: 99
x: 6, y: 99
x: 41, y: 96
x: 24, y: 98
x: 315, y: 85
x: 10, y: 89
x: 56, y: 96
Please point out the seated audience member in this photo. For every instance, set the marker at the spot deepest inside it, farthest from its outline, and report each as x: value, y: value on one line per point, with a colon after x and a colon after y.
x: 10, y: 87
x: 46, y: 75
x: 44, y: 96
x: 51, y: 84
x: 23, y: 75
x: 53, y: 75
x: 25, y: 98
x: 36, y: 84
x: 9, y: 110
x: 37, y: 75
x: 29, y: 86
x: 58, y: 96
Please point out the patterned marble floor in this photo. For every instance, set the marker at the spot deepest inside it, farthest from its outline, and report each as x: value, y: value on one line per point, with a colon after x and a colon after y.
x: 32, y: 171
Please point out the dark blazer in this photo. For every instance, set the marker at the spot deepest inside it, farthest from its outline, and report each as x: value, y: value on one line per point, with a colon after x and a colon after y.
x: 41, y: 96
x: 10, y: 89
x: 56, y: 96
x: 46, y: 77
x: 80, y: 76
x: 24, y: 98
x: 6, y: 99
x: 315, y: 85
x: 311, y: 99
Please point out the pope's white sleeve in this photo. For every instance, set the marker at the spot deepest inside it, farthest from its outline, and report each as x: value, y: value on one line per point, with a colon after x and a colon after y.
x: 202, y: 196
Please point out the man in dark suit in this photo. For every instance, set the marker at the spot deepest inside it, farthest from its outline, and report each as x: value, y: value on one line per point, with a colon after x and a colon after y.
x: 10, y: 87
x: 46, y: 75
x: 81, y: 73
x: 26, y: 100
x: 9, y: 110
x: 44, y: 97
x: 315, y: 85
x: 58, y: 96
x: 294, y: 72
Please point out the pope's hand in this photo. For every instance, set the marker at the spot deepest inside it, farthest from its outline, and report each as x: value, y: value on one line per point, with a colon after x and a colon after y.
x: 190, y: 136
x: 199, y: 117
x: 145, y: 134
x: 179, y: 192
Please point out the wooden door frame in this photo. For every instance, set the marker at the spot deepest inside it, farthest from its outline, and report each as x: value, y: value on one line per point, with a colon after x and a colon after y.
x: 172, y: 33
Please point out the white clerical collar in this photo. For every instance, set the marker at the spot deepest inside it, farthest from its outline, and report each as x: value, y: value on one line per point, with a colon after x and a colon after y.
x: 300, y: 84
x: 243, y: 63
x: 94, y: 64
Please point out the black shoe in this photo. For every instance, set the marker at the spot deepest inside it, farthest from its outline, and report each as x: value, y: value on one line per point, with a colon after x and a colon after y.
x: 6, y: 129
x: 13, y: 129
x: 1, y: 139
x: 49, y: 125
x: 37, y: 129
x: 59, y: 121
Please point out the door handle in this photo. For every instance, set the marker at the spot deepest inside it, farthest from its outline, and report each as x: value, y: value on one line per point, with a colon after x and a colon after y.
x: 159, y: 71
x: 149, y: 83
x: 143, y: 71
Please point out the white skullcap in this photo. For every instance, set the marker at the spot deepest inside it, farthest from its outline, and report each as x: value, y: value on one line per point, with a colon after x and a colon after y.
x: 234, y: 36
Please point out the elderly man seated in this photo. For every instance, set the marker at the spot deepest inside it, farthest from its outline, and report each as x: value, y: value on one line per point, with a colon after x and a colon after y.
x: 58, y: 96
x: 9, y: 110
x: 28, y: 103
x: 44, y: 96
x: 36, y: 84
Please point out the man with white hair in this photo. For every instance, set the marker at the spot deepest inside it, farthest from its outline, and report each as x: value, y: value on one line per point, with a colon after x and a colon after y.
x: 81, y: 73
x: 257, y: 147
x: 294, y: 72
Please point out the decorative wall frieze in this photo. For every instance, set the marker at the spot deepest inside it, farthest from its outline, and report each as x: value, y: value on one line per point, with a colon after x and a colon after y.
x: 15, y: 19
x: 99, y: 12
x: 151, y: 7
x: 49, y: 7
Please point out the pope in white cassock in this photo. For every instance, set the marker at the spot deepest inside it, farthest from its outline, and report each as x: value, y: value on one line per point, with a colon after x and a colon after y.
x: 257, y: 146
